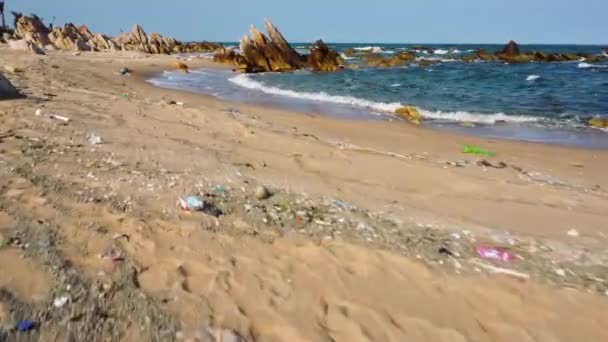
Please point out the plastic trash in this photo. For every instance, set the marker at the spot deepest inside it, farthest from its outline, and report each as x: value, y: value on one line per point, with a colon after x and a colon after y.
x: 573, y: 233
x: 39, y: 112
x: 494, y: 253
x: 191, y: 203
x: 25, y: 325
x: 95, y: 139
x: 470, y: 149
x: 60, y: 302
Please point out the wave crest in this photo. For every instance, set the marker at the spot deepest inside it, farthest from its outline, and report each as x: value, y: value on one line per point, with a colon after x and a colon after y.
x: 246, y: 82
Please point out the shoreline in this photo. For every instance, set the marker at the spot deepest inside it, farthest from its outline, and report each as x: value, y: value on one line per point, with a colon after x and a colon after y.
x: 573, y: 137
x: 380, y: 220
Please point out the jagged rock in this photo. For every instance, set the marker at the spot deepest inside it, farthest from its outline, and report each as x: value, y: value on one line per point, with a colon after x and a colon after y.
x: 225, y: 56
x: 80, y: 38
x: 322, y: 58
x: 181, y: 66
x: 32, y: 29
x: 7, y: 90
x: 598, y: 123
x: 201, y: 47
x: 410, y: 114
x: 511, y: 49
x: 273, y: 53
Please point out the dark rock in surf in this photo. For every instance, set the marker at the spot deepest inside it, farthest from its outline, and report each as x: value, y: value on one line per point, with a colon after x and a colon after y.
x: 511, y: 49
x: 322, y: 58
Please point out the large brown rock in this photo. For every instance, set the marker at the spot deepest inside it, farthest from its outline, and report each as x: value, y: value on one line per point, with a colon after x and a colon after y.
x: 262, y: 53
x: 32, y: 30
x: 598, y: 123
x: 322, y: 58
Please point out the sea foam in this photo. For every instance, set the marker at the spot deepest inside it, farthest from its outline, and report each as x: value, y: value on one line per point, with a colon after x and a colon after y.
x: 587, y: 65
x: 532, y: 77
x: 379, y: 107
x: 246, y: 82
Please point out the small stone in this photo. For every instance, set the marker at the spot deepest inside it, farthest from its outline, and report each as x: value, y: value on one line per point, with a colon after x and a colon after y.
x: 261, y: 193
x: 125, y: 71
x: 12, y: 69
x: 60, y: 302
x: 573, y: 233
x: 560, y: 272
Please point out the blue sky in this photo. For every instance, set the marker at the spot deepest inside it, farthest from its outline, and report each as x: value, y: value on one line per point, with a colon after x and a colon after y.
x: 398, y: 21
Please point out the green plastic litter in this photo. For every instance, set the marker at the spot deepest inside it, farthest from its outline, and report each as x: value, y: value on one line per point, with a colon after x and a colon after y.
x: 477, y: 150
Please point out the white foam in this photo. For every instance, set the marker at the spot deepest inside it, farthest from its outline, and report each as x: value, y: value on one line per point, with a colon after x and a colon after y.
x: 345, y: 57
x: 475, y: 117
x: 440, y: 52
x: 532, y: 77
x: 246, y: 82
x: 436, y: 59
x: 396, y: 85
x: 587, y: 65
x: 375, y: 49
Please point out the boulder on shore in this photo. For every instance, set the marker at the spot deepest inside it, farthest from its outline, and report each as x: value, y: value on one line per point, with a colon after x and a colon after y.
x: 7, y: 90
x: 598, y: 123
x: 322, y: 58
x: 410, y: 114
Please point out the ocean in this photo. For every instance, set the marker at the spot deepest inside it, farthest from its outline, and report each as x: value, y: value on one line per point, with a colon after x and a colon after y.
x: 542, y: 102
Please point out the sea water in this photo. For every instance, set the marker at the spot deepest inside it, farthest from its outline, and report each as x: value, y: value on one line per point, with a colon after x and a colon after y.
x: 538, y: 101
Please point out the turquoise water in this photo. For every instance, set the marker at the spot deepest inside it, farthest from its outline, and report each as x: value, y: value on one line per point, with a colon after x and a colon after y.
x: 547, y: 102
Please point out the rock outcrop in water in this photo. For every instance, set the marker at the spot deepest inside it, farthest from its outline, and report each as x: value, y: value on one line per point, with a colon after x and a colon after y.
x: 322, y: 58
x: 261, y: 53
x: 511, y: 49
x: 272, y: 52
x: 37, y: 37
x: 396, y: 60
x: 598, y: 123
x: 511, y: 53
x: 410, y: 114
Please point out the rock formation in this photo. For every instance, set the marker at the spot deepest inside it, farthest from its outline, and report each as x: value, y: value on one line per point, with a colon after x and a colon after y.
x: 511, y: 49
x: 7, y: 90
x: 396, y: 60
x: 599, y: 123
x: 272, y: 52
x: 410, y: 114
x: 38, y: 37
x: 511, y: 54
x: 322, y: 58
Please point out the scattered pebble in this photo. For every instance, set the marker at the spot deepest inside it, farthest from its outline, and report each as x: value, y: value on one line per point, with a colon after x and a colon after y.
x: 560, y: 272
x: 95, y: 139
x: 262, y: 193
x: 60, y: 302
x: 573, y: 233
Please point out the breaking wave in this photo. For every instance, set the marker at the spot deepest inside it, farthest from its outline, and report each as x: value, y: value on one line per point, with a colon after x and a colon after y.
x: 379, y: 107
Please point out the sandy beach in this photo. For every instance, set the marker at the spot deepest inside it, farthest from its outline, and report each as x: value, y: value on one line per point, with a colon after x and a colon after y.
x: 370, y: 233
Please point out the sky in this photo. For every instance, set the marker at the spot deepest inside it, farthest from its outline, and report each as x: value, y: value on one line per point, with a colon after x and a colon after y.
x: 339, y: 21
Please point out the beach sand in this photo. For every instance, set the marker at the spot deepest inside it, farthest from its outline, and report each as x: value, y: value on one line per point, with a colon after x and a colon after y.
x: 361, y: 263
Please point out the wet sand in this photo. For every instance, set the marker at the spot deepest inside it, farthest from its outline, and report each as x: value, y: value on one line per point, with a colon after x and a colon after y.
x: 347, y: 249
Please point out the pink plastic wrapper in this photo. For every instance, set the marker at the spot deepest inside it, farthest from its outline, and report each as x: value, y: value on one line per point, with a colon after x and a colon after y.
x: 494, y: 253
